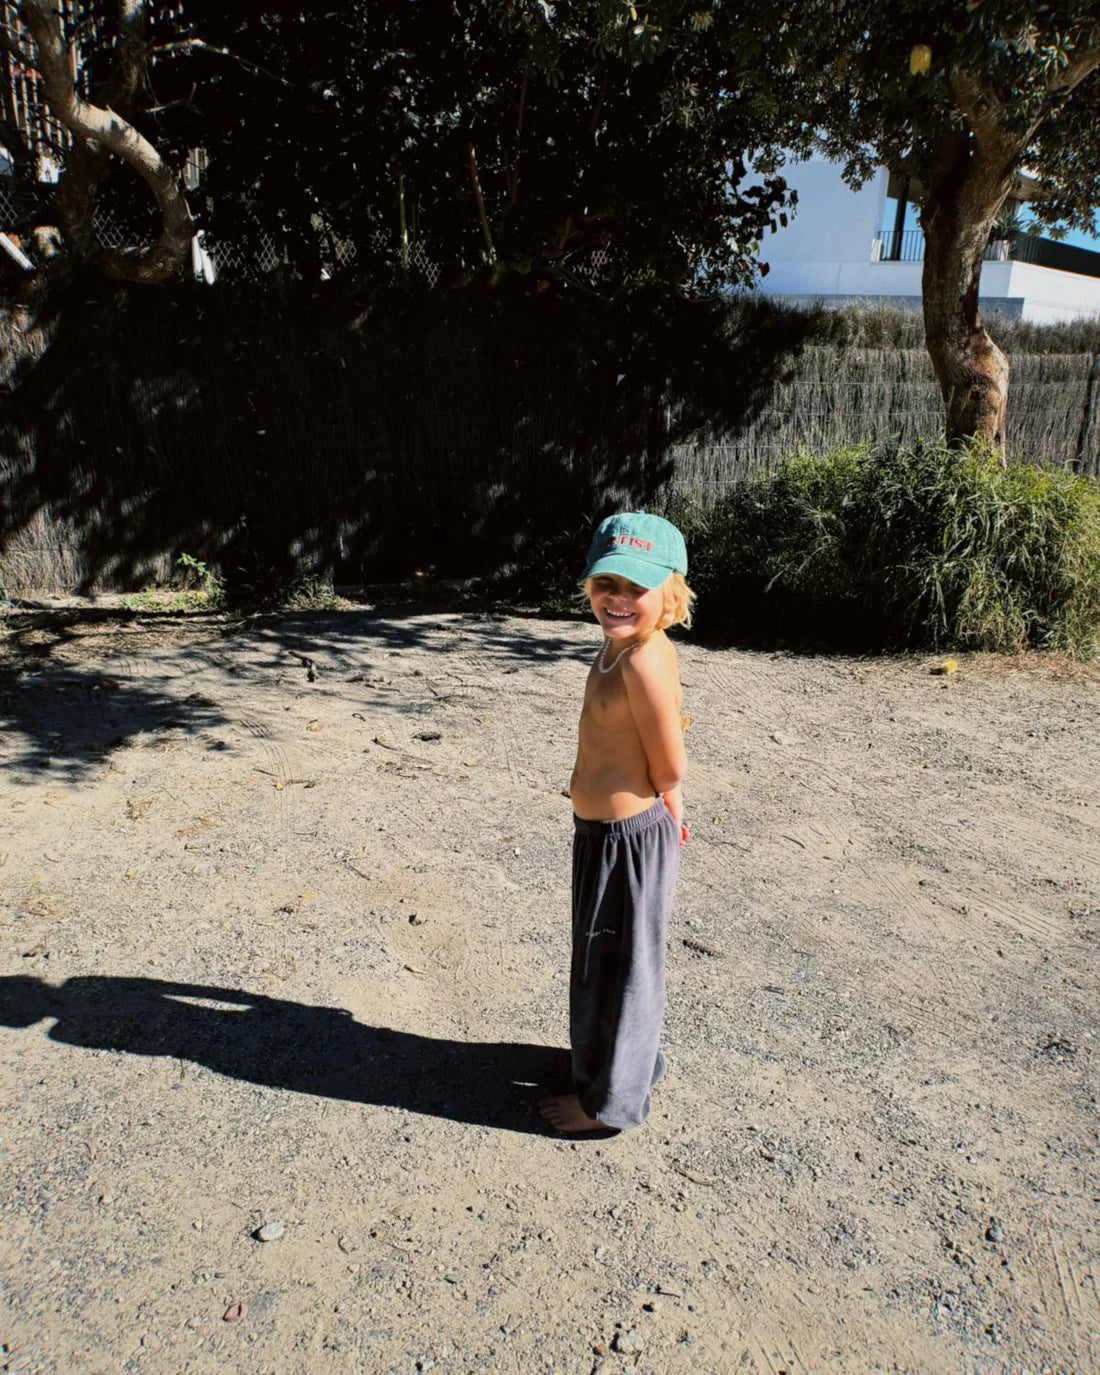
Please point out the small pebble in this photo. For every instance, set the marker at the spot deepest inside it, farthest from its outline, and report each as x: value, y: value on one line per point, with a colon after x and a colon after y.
x: 270, y: 1231
x: 628, y: 1343
x: 993, y: 1231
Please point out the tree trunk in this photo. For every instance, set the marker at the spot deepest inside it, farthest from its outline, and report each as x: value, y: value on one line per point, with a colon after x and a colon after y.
x: 109, y: 132
x: 960, y: 206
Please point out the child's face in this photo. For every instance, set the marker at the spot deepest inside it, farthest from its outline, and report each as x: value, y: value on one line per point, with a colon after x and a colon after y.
x: 623, y: 609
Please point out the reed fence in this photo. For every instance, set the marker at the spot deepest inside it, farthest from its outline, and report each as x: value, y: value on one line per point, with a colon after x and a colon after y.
x: 269, y: 438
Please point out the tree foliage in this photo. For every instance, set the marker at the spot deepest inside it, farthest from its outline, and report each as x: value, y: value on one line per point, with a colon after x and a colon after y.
x: 896, y: 85
x: 959, y: 95
x: 497, y: 138
x: 91, y: 98
x: 962, y: 98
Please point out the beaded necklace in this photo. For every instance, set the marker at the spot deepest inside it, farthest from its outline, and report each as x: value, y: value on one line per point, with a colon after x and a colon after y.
x: 601, y: 662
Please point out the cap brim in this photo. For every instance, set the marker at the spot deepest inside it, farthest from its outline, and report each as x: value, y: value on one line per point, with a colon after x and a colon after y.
x: 641, y: 571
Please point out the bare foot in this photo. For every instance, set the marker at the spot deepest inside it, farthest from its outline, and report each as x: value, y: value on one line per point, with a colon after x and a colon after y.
x: 564, y: 1113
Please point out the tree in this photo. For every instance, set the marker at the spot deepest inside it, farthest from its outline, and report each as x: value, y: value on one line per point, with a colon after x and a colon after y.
x: 503, y: 139
x: 958, y: 95
x: 45, y: 39
x: 961, y: 98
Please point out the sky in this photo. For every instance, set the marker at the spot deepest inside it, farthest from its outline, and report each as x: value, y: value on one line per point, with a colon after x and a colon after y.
x: 1080, y: 240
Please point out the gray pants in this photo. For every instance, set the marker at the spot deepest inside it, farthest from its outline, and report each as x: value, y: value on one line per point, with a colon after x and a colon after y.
x: 624, y: 877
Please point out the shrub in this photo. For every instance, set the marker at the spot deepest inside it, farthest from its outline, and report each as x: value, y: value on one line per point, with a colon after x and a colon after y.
x: 918, y: 546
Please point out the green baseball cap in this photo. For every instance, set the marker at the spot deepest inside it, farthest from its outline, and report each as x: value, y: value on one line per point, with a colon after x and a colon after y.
x: 634, y: 545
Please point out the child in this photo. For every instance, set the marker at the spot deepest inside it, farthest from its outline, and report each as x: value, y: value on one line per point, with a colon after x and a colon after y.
x: 628, y: 824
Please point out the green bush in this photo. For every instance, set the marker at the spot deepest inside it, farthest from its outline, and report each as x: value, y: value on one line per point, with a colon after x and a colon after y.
x: 920, y: 546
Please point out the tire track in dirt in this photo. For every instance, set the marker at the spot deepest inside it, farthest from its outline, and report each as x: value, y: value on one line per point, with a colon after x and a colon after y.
x: 1016, y: 918
x: 281, y: 771
x: 829, y: 838
x: 715, y: 691
x: 1037, y: 838
x: 1069, y: 1296
x: 501, y: 714
x: 774, y: 1350
x: 886, y: 888
x: 817, y: 779
x: 780, y: 1345
x: 950, y: 1003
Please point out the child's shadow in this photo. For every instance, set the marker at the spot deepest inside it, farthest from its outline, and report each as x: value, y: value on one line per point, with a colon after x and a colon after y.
x: 316, y: 1050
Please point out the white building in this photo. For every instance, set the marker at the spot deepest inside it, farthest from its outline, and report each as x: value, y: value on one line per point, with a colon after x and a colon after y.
x: 843, y: 246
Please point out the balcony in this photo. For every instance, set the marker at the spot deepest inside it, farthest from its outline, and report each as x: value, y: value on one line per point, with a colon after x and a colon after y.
x: 890, y: 246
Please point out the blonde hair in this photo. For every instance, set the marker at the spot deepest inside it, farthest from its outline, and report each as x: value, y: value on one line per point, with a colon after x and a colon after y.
x: 679, y: 599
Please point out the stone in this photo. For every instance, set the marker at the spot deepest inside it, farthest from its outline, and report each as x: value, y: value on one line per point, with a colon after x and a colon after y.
x: 270, y: 1231
x: 628, y: 1343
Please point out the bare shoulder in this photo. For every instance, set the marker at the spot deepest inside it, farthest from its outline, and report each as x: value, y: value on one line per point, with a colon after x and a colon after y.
x: 653, y: 665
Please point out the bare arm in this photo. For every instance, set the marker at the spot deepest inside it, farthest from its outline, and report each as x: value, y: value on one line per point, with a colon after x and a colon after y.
x: 653, y: 693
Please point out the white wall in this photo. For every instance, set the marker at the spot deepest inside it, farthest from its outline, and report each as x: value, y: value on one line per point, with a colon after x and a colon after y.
x: 831, y: 226
x: 825, y: 252
x: 1051, y: 296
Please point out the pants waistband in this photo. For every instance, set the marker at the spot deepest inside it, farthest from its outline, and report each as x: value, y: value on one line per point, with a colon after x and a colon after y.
x: 630, y: 825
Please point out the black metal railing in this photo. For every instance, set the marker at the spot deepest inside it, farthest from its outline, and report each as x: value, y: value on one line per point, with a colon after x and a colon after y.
x: 1065, y: 257
x: 908, y: 247
x: 900, y: 246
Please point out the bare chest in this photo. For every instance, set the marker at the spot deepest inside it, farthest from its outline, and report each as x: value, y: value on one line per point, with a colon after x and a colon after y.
x: 605, y: 702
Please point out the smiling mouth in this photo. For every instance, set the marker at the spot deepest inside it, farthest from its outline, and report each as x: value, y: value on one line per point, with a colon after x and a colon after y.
x: 621, y: 615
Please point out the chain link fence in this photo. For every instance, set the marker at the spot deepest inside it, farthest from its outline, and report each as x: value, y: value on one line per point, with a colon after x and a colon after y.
x: 255, y: 254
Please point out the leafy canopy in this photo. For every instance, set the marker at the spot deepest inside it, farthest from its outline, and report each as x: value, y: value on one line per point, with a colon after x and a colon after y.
x: 505, y: 136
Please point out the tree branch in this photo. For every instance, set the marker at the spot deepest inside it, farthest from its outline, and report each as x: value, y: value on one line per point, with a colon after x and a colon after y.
x: 1075, y: 71
x: 55, y: 64
x: 996, y: 141
x: 199, y: 45
x: 483, y: 218
x: 185, y: 102
x: 127, y: 59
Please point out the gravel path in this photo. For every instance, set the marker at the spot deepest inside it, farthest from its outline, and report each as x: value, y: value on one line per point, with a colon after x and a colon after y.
x: 283, y: 944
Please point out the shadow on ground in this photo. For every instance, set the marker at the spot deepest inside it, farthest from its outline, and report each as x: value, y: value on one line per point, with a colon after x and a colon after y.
x: 59, y: 716
x: 57, y: 713
x: 320, y: 1051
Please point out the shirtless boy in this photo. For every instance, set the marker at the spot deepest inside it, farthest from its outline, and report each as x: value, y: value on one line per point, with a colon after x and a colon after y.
x: 628, y: 824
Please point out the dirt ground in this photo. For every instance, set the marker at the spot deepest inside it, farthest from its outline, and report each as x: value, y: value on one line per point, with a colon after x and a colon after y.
x: 284, y: 935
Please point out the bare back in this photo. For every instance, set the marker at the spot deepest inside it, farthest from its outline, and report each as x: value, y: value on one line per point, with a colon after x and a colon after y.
x: 612, y: 776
